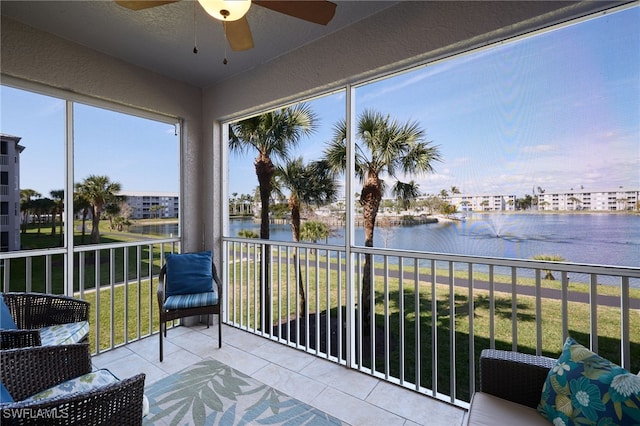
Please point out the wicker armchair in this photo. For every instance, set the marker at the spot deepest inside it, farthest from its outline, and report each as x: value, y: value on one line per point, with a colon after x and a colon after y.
x: 33, y: 311
x: 512, y: 377
x: 26, y: 371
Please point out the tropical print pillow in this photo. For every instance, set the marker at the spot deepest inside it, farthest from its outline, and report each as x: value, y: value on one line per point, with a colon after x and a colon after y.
x: 586, y: 389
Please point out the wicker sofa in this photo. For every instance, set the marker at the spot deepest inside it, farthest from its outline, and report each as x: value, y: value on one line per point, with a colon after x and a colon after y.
x: 34, y: 311
x: 27, y: 371
x: 510, y: 388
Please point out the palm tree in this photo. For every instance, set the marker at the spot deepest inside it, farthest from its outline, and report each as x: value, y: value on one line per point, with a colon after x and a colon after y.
x: 272, y: 135
x: 310, y: 184
x: 26, y: 205
x: 383, y: 147
x: 98, y: 190
x: 40, y: 207
x: 81, y: 204
x: 406, y: 193
x: 58, y: 199
x: 112, y: 211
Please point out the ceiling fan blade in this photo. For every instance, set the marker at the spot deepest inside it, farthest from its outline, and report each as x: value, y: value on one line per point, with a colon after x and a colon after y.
x: 238, y: 34
x: 316, y: 11
x: 143, y: 4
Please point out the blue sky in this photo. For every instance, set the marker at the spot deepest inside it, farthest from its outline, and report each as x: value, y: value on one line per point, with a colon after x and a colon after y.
x: 140, y: 154
x: 560, y: 110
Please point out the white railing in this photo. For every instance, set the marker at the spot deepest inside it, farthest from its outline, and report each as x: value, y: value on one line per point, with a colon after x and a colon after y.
x: 117, y: 279
x: 464, y: 304
x: 514, y: 307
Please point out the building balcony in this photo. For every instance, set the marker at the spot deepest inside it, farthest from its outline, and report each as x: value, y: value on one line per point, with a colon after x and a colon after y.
x: 347, y: 395
x: 417, y: 353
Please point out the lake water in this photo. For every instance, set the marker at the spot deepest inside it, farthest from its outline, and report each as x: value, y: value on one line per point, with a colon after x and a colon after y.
x: 602, y: 239
x: 580, y: 238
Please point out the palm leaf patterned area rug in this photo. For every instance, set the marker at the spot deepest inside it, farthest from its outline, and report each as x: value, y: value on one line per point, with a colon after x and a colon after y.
x: 212, y: 393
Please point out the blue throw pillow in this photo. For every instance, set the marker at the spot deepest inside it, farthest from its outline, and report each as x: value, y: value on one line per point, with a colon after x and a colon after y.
x: 6, y: 320
x: 189, y: 273
x: 584, y: 388
x: 5, y: 396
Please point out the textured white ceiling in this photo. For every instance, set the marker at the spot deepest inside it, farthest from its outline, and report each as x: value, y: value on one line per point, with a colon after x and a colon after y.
x: 162, y: 38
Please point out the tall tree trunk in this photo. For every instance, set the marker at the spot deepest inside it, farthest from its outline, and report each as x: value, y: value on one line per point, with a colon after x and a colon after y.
x: 294, y: 207
x: 62, y: 228
x: 85, y: 212
x: 264, y: 172
x: 95, y: 226
x: 370, y: 201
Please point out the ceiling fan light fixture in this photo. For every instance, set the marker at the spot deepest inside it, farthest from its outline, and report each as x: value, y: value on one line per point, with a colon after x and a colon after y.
x: 226, y: 10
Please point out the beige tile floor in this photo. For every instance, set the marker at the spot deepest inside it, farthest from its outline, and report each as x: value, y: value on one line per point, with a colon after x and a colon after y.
x: 351, y: 396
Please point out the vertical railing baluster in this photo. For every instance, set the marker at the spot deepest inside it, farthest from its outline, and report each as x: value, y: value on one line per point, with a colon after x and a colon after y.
x: 401, y: 315
x: 593, y: 307
x: 278, y: 280
x: 296, y: 271
x: 6, y: 275
x: 625, y: 324
x: 258, y: 256
x: 434, y: 329
x: 340, y: 304
x: 538, y: 297
x: 565, y: 306
x: 152, y: 294
x: 492, y: 309
x: 472, y: 349
x: 386, y: 322
x: 358, y: 284
x: 307, y: 323
x: 327, y: 286
x: 418, y: 321
x: 452, y: 333
x: 372, y: 310
x: 47, y: 275
x: 81, y: 269
x: 514, y: 309
x: 28, y: 265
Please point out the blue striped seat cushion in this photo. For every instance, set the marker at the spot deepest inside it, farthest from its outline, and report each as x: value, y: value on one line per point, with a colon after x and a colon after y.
x: 64, y: 334
x: 181, y: 301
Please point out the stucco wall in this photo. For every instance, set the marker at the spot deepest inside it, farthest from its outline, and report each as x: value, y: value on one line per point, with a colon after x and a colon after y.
x: 37, y: 57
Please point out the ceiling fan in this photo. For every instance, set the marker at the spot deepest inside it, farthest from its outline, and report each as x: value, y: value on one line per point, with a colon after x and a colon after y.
x: 232, y: 14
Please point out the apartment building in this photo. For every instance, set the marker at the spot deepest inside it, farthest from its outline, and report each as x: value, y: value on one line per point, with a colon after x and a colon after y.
x: 150, y: 205
x: 483, y: 203
x: 612, y: 200
x: 10, y: 151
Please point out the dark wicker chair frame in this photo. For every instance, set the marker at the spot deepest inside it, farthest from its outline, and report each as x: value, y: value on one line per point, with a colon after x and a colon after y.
x: 32, y: 311
x: 170, y: 315
x: 26, y: 371
x: 514, y: 376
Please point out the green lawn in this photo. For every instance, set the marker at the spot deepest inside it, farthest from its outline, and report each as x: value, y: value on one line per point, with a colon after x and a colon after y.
x: 399, y: 315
